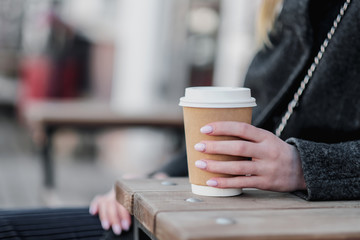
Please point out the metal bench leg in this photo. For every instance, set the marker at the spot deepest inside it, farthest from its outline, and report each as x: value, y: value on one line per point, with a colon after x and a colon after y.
x: 48, y: 161
x: 141, y: 233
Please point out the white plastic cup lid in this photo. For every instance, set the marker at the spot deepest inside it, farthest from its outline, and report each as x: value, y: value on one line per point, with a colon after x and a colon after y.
x: 217, y: 97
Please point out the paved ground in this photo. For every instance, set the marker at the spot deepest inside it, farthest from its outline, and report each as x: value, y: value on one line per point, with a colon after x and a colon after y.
x: 83, y: 168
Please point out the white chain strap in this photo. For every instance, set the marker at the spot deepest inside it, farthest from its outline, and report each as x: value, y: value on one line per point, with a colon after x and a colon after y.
x: 294, y: 103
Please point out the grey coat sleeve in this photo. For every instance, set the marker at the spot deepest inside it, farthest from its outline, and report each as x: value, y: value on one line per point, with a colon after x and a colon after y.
x: 176, y: 167
x: 331, y: 171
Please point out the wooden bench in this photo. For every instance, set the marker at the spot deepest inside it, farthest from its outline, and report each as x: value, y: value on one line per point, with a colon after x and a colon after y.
x: 168, y: 210
x: 45, y: 117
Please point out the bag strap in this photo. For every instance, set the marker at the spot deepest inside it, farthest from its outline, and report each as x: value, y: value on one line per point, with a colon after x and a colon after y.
x: 295, y: 101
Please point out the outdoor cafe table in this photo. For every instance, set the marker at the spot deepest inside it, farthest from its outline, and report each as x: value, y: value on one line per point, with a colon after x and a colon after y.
x: 167, y: 210
x: 46, y: 117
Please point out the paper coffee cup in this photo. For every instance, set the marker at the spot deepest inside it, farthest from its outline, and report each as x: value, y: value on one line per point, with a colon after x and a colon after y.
x: 203, y: 105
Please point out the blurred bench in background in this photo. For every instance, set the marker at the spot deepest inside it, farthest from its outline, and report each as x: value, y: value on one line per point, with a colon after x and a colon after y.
x: 45, y: 117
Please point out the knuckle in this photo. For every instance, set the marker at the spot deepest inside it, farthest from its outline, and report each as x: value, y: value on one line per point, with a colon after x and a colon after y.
x: 273, y: 153
x: 123, y: 213
x: 240, y: 148
x: 265, y: 184
x: 100, y: 201
x: 271, y: 171
x: 242, y: 128
x: 238, y: 169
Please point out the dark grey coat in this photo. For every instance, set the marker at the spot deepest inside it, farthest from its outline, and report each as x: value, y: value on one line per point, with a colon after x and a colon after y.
x: 325, y: 126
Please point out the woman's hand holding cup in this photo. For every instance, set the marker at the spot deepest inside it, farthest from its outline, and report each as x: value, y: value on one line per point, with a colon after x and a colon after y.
x: 275, y: 165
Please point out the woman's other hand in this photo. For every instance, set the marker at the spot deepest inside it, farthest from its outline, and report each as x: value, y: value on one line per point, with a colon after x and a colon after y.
x: 111, y: 213
x: 275, y: 164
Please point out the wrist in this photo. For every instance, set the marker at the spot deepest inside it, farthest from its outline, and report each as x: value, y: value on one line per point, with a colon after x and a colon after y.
x: 299, y: 173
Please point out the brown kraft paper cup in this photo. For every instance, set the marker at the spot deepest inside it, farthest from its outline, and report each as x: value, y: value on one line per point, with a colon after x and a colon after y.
x: 194, y: 119
x: 199, y: 112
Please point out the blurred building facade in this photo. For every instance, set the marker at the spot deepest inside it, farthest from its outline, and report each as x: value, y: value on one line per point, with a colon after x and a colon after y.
x: 111, y: 49
x: 135, y: 55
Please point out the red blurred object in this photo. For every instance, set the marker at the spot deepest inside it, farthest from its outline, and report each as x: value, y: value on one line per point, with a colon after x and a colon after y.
x: 60, y: 72
x: 34, y: 73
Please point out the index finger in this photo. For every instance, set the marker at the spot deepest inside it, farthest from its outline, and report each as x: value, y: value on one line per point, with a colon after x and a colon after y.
x: 238, y: 129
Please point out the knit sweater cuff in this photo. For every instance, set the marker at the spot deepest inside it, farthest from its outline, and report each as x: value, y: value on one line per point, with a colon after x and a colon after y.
x: 331, y: 171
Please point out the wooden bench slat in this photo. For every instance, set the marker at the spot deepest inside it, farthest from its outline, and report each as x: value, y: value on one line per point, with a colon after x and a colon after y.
x: 125, y: 189
x: 165, y: 213
x: 325, y: 223
x: 148, y: 204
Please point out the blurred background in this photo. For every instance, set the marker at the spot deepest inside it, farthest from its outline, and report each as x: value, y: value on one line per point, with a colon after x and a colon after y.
x: 100, y: 60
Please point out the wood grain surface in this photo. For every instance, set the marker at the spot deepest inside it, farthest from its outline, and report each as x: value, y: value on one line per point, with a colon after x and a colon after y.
x: 148, y: 204
x: 165, y: 212
x: 324, y: 223
x: 126, y: 189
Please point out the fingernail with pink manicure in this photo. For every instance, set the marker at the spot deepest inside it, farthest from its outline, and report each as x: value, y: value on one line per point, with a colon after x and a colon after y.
x: 206, y: 129
x: 105, y: 225
x: 125, y: 224
x: 116, y: 229
x: 200, y: 164
x: 212, y: 183
x: 200, y: 147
